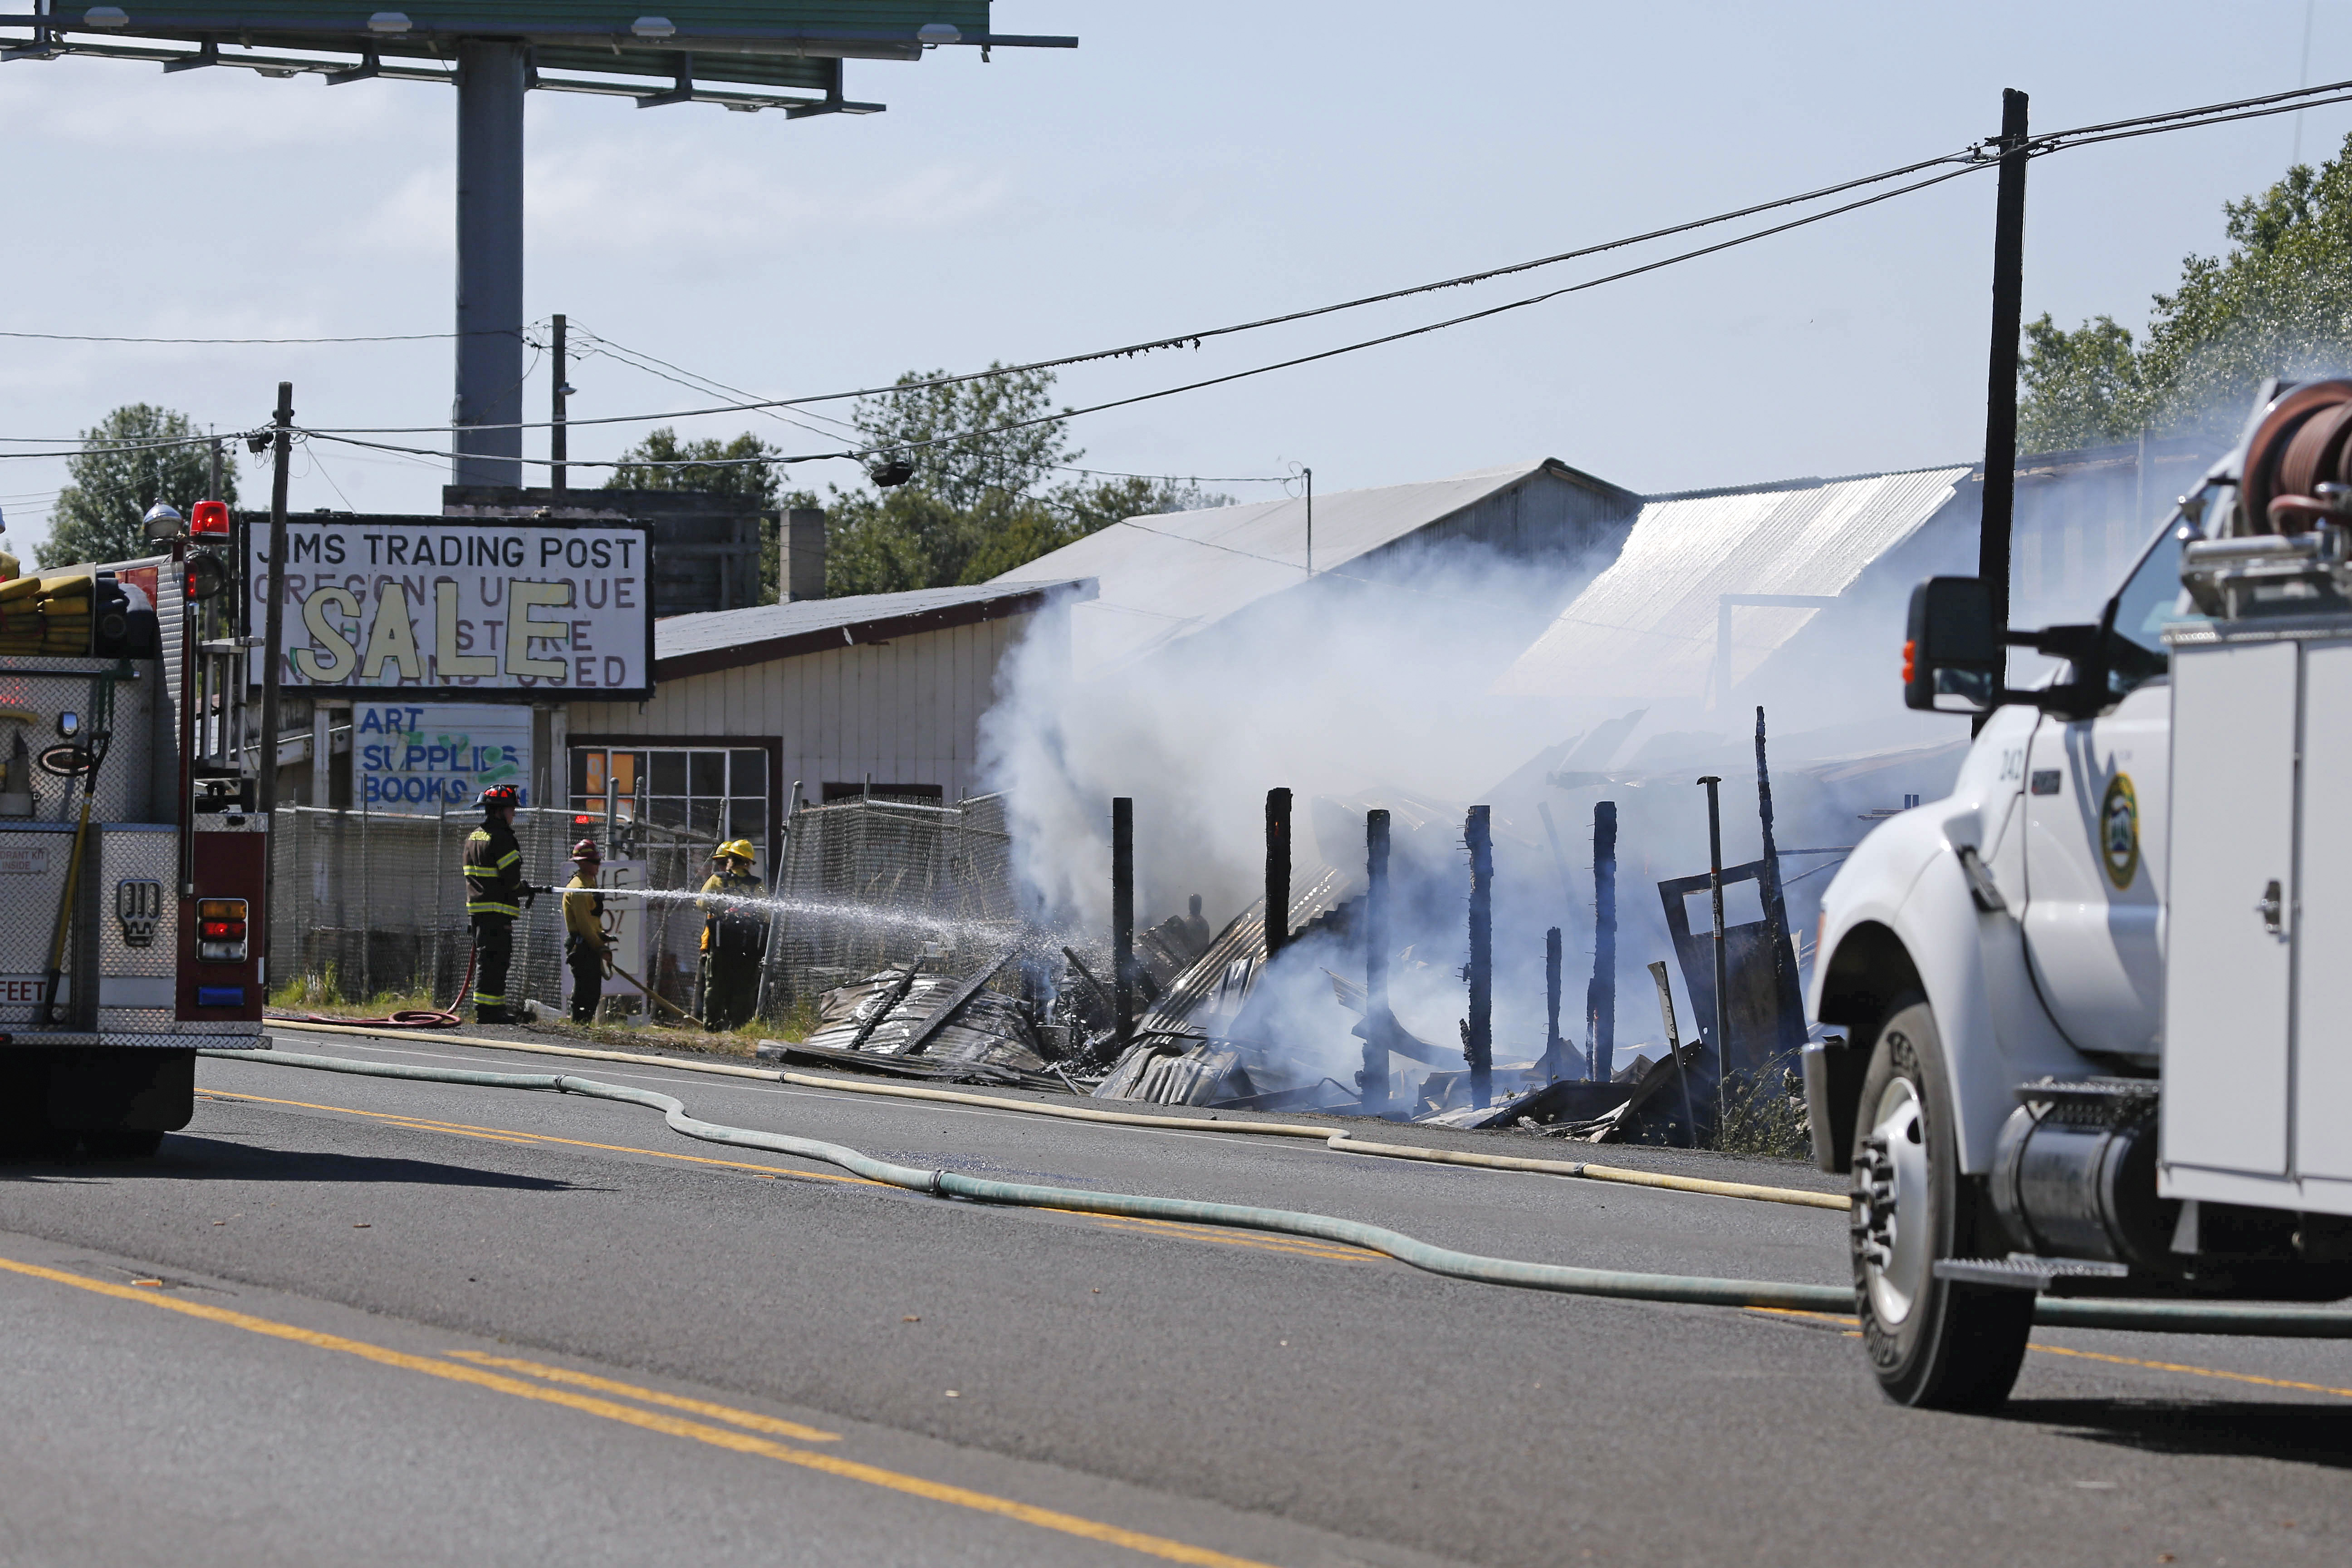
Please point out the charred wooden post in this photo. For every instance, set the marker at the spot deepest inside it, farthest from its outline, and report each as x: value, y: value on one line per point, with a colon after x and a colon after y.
x: 1722, y: 962
x: 1789, y: 994
x: 1551, y: 1062
x: 1277, y: 871
x: 1478, y: 1042
x: 1374, y: 1081
x: 1600, y: 996
x: 1122, y: 917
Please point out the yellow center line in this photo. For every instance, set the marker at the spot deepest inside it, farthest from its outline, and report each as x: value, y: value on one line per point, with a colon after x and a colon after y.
x: 508, y: 1134
x: 670, y: 1425
x: 726, y: 1413
x: 2193, y: 1370
x: 2181, y: 1367
x: 1306, y: 1247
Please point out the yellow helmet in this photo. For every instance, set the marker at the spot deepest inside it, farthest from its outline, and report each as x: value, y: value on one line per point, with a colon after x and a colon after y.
x: 736, y: 849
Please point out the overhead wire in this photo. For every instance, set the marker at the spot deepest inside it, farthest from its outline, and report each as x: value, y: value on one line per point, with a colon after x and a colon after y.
x: 1977, y: 156
x: 349, y: 434
x: 696, y: 381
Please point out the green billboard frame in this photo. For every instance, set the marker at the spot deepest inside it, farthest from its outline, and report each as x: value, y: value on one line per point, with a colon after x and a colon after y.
x: 786, y: 46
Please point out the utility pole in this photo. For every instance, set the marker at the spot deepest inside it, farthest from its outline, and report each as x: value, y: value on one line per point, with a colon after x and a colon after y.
x: 273, y: 623
x: 558, y: 448
x: 2001, y: 380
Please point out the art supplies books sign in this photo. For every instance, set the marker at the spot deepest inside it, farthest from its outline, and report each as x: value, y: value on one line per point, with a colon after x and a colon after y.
x: 414, y: 759
x: 435, y: 608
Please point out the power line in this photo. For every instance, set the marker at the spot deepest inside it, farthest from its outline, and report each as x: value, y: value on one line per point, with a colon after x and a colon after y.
x: 700, y: 382
x: 1977, y: 155
x: 230, y: 342
x: 854, y: 454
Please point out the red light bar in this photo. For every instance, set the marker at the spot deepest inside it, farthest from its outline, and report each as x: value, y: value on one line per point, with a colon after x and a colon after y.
x: 209, y: 520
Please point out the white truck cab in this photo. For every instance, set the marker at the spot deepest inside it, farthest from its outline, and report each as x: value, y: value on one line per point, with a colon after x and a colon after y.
x: 2086, y: 1042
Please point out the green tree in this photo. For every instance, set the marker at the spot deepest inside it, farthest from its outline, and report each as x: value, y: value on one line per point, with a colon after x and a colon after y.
x: 2077, y: 389
x: 743, y: 468
x: 979, y: 501
x: 121, y: 471
x: 2278, y: 303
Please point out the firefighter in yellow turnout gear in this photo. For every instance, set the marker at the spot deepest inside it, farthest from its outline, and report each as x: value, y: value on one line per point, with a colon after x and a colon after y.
x: 734, y: 938
x: 583, y: 932
x: 496, y: 894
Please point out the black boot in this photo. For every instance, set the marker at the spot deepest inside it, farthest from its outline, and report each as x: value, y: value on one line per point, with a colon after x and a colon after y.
x: 490, y: 1016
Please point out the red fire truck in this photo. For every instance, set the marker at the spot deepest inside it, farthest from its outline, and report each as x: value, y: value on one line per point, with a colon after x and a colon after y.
x: 132, y: 860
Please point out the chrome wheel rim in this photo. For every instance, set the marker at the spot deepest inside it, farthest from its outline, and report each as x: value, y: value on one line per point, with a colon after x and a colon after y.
x: 1895, y: 1217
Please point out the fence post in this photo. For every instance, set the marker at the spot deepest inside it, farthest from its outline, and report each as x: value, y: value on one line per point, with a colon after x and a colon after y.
x: 783, y: 838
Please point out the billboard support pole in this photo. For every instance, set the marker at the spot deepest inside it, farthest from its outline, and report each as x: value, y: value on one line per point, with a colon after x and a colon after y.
x: 492, y: 77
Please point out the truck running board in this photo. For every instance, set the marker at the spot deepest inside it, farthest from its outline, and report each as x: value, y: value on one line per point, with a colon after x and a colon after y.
x: 2024, y: 1272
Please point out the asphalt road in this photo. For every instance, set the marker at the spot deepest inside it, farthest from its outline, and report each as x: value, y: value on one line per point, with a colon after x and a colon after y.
x: 350, y: 1320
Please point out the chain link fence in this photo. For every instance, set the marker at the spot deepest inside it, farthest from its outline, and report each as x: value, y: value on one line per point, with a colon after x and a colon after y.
x: 370, y: 903
x: 873, y: 883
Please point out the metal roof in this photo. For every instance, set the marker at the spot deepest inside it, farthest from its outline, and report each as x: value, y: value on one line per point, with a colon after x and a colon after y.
x: 724, y: 640
x: 1166, y: 577
x: 1646, y: 628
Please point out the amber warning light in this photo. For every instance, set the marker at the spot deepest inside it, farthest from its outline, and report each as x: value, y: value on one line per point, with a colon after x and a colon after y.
x: 220, y: 930
x: 209, y: 520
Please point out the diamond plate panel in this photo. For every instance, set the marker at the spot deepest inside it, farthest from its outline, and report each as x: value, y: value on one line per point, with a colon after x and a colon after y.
x: 49, y: 687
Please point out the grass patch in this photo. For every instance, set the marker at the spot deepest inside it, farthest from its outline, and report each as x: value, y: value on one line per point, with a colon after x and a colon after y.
x: 1765, y: 1115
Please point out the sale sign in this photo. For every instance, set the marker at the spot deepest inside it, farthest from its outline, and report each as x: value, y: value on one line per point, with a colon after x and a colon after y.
x: 430, y: 607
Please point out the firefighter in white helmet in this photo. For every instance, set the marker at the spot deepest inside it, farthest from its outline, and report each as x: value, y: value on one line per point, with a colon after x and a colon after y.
x: 734, y: 937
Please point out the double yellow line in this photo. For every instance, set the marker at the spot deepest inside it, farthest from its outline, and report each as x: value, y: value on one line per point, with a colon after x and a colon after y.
x: 745, y: 1432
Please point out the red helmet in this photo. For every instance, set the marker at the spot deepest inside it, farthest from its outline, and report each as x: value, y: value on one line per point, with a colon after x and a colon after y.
x: 498, y: 796
x: 586, y: 850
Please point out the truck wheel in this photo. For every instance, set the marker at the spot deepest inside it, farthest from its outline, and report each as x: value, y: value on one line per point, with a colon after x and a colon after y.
x: 1932, y: 1343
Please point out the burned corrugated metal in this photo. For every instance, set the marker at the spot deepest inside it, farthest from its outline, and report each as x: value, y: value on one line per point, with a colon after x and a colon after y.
x: 1182, y: 1053
x: 926, y: 1025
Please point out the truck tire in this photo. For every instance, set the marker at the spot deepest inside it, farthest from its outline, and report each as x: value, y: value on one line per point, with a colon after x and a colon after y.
x: 1933, y: 1344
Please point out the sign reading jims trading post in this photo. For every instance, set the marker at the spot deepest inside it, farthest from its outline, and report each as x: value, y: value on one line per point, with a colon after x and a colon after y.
x: 448, y: 609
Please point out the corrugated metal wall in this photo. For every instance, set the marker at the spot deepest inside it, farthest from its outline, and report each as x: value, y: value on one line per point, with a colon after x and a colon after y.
x: 904, y: 712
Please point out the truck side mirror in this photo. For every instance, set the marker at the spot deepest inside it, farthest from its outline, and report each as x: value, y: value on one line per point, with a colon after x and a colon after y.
x: 1952, y: 663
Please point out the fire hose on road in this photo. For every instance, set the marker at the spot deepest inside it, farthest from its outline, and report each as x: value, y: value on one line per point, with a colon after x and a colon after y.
x: 2244, y: 1319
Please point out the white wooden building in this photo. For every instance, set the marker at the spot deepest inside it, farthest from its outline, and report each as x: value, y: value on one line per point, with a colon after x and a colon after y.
x: 882, y: 691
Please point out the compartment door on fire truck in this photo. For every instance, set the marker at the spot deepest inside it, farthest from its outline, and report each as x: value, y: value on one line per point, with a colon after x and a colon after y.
x: 2096, y: 808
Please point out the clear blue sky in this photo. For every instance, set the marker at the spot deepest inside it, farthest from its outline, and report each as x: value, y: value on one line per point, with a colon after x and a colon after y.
x: 1187, y: 166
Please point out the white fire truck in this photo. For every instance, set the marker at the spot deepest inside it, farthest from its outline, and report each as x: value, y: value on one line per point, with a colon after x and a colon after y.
x: 132, y: 860
x: 2091, y: 1040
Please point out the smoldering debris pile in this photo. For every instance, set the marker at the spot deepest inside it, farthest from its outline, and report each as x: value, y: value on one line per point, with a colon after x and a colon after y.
x: 1354, y: 1001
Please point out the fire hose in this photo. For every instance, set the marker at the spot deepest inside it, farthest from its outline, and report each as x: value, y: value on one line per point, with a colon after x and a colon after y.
x: 2260, y: 1318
